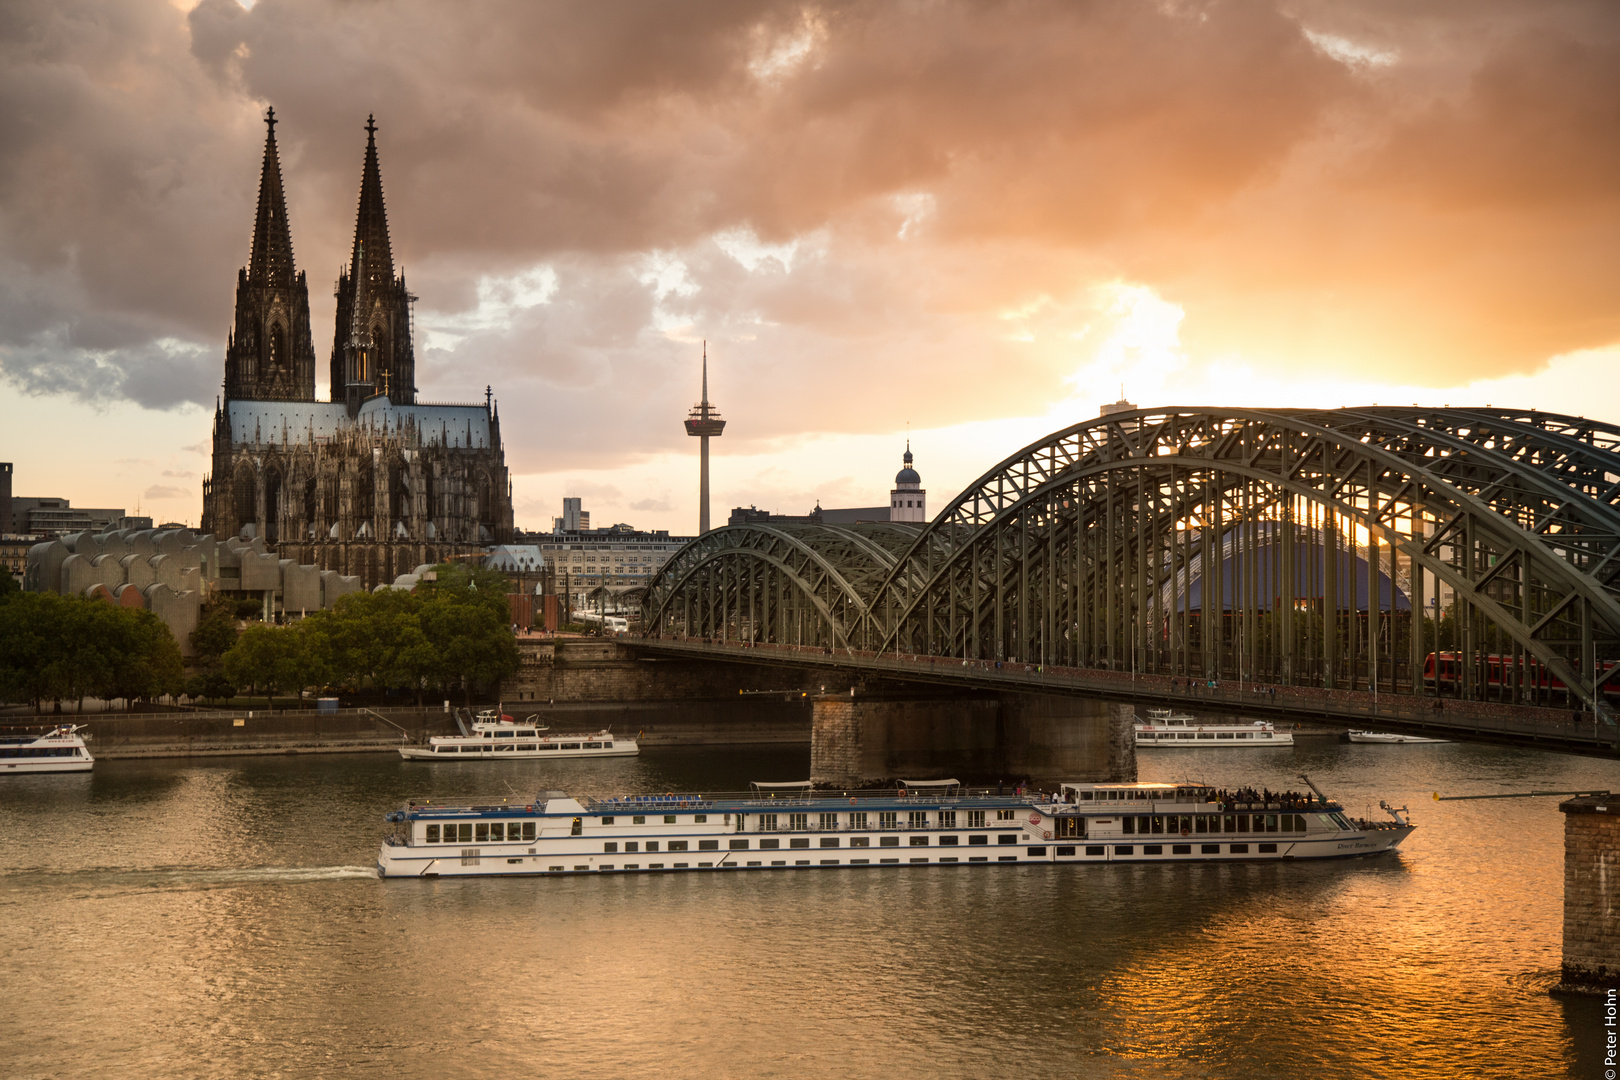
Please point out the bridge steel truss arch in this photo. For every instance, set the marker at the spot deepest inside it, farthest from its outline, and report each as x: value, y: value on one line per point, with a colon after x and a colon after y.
x: 1081, y: 549
x: 791, y: 584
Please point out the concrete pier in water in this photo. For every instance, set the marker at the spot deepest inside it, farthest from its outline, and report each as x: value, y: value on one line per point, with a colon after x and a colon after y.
x: 1591, y: 893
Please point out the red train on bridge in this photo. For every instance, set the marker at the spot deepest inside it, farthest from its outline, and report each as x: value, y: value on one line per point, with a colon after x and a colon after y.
x: 1499, y: 673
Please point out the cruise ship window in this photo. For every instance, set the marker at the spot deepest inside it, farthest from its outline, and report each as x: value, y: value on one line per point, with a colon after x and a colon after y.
x: 978, y: 840
x: 919, y: 819
x: 947, y: 819
x: 433, y: 834
x: 767, y: 822
x: 610, y: 847
x: 677, y: 845
x: 829, y: 821
x: 798, y: 821
x: 607, y: 821
x: 709, y: 845
x: 975, y: 819
x: 528, y: 829
x: 639, y: 819
x: 919, y: 841
x: 631, y: 846
x: 652, y: 845
x: 768, y: 845
x: 669, y: 819
x: 466, y: 832
x: 497, y: 831
x: 857, y: 821
x: 860, y: 841
x: 700, y: 819
x: 888, y: 841
x: 888, y: 819
x: 1128, y: 825
x: 1004, y: 815
x: 481, y: 832
x: 578, y: 827
x: 799, y: 841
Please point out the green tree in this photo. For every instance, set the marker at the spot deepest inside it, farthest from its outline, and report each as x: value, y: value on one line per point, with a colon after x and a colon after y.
x: 143, y: 660
x: 216, y: 687
x: 373, y: 637
x: 216, y: 630
x: 267, y: 658
x: 471, y: 639
x: 56, y: 647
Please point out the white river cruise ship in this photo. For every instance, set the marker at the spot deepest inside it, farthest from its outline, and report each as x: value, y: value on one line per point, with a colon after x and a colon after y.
x: 1165, y: 728
x: 919, y: 823
x: 497, y: 737
x: 61, y: 749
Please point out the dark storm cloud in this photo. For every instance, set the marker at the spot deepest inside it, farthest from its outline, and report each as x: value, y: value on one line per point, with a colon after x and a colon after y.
x: 1383, y: 185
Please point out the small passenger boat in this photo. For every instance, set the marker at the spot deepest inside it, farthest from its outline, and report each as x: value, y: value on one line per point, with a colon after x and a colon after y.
x: 1390, y: 737
x: 1164, y: 727
x: 59, y: 750
x: 497, y: 737
x: 917, y: 823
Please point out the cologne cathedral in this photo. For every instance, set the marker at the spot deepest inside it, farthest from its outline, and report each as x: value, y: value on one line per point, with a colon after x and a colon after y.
x: 372, y: 483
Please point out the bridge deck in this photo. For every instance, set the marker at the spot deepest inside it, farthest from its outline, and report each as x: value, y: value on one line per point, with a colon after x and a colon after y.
x: 1481, y: 721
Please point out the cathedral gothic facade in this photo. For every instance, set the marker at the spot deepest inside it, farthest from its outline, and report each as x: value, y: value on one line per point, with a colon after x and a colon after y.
x: 371, y: 483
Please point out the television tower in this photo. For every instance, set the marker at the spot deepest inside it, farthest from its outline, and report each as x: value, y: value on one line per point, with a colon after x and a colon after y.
x: 703, y: 421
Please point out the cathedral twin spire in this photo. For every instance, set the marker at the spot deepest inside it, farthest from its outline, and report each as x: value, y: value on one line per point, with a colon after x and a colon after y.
x: 272, y: 255
x: 271, y: 355
x: 371, y: 342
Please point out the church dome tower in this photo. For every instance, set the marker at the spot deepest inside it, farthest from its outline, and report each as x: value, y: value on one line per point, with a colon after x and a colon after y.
x: 907, y: 502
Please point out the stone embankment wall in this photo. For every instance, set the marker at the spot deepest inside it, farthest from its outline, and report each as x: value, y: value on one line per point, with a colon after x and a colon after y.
x: 1591, y: 893
x: 977, y: 738
x: 605, y: 671
x: 150, y: 735
x: 591, y: 684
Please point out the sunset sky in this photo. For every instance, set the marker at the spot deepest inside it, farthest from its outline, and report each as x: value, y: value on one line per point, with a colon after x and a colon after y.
x: 979, y: 220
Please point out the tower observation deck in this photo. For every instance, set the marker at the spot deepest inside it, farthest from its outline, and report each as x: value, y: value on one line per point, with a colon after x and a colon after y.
x: 702, y: 422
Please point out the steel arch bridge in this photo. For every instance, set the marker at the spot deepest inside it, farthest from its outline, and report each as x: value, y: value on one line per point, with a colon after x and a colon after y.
x: 1328, y: 548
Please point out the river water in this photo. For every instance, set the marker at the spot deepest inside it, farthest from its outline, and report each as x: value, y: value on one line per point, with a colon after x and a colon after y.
x: 164, y: 919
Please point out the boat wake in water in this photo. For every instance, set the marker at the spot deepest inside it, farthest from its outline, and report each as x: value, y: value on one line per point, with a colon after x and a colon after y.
x: 179, y: 878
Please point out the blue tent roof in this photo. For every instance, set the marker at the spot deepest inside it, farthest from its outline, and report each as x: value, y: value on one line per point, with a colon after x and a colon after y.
x: 1265, y: 565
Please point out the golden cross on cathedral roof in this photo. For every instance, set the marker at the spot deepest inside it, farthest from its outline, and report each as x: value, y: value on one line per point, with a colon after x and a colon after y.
x: 385, y: 381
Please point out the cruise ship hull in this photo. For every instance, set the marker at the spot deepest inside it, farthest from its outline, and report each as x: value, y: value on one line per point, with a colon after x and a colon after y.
x: 517, y: 859
x: 71, y: 765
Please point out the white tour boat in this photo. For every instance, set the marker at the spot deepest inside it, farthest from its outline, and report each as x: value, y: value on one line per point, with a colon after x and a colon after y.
x: 495, y: 736
x: 919, y: 823
x: 1164, y: 727
x: 61, y: 749
x: 1390, y: 737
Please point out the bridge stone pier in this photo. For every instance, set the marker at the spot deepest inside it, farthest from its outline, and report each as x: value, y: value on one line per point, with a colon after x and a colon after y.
x: 861, y: 736
x: 1591, y: 894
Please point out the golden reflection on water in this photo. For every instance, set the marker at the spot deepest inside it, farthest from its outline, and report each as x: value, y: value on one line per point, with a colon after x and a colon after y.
x: 181, y: 920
